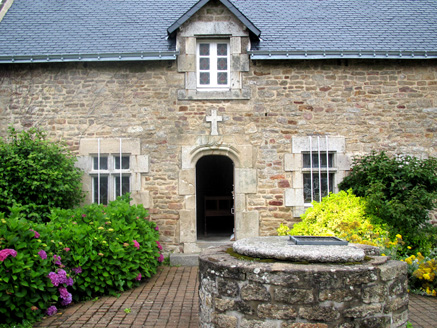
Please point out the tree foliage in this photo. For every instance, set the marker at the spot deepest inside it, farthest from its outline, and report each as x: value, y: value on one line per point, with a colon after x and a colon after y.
x: 37, y: 174
x: 400, y: 191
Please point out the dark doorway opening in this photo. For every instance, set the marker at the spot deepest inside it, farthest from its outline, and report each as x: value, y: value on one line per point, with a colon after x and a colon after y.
x: 214, y: 196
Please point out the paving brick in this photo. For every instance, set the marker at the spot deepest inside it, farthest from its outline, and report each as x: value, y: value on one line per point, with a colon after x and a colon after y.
x: 170, y: 300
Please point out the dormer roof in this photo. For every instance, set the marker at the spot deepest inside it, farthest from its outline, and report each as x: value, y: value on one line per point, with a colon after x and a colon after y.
x: 243, y: 19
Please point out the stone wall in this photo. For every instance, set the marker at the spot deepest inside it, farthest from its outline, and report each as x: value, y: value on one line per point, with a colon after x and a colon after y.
x: 374, y: 105
x: 243, y: 294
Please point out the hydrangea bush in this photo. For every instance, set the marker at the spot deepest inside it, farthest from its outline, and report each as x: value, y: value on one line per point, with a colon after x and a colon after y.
x: 26, y: 292
x: 114, y: 246
x: 79, y: 254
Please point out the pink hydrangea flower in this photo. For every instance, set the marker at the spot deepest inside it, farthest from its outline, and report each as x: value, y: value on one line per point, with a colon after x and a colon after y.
x: 157, y: 228
x: 37, y: 235
x: 66, y: 249
x: 136, y: 244
x: 138, y: 277
x: 159, y: 245
x: 160, y: 258
x: 4, y: 253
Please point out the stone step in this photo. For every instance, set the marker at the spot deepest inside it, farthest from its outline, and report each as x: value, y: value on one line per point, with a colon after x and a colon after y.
x: 184, y: 259
x: 193, y: 259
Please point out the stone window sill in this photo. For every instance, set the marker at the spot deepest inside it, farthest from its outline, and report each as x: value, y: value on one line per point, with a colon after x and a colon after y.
x: 234, y: 94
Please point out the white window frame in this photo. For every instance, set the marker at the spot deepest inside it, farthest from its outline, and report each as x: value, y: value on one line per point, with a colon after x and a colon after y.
x: 213, y: 71
x: 320, y: 172
x: 112, y: 173
x: 294, y: 163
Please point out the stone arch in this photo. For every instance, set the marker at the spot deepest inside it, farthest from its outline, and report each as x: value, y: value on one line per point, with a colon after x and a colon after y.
x: 223, y: 150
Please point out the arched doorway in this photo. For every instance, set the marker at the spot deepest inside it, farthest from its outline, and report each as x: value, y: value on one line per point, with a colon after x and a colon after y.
x: 215, y: 197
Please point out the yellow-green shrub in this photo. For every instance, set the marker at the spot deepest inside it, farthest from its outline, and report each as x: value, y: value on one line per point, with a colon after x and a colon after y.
x: 341, y: 215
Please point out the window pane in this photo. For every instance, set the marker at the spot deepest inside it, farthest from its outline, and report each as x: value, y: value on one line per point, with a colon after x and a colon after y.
x: 103, y: 163
x: 101, y: 189
x: 222, y: 49
x: 204, y: 49
x: 222, y: 64
x: 125, y: 185
x: 124, y: 162
x: 222, y: 78
x: 316, y: 186
x: 204, y: 63
x: 204, y: 78
x: 307, y: 164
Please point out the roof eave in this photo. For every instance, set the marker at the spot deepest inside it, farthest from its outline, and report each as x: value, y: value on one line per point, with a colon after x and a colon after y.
x: 341, y: 54
x: 107, y: 57
x: 251, y: 27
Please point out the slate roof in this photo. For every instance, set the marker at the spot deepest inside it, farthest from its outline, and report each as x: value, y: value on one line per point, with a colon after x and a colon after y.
x: 63, y: 30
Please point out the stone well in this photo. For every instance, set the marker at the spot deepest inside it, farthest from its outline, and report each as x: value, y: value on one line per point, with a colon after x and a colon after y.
x: 303, y: 287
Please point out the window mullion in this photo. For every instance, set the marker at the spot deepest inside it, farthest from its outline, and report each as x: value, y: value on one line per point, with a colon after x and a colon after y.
x: 213, y: 67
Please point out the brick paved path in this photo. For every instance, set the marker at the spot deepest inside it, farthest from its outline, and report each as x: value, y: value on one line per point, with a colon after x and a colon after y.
x: 423, y: 311
x: 170, y: 300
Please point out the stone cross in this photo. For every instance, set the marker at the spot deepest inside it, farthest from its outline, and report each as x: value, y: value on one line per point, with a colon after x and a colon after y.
x: 214, y: 119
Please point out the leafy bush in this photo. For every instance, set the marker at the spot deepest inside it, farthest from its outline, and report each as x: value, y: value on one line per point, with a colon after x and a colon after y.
x: 37, y: 174
x: 115, y: 246
x: 342, y: 215
x: 422, y: 272
x: 25, y: 290
x: 399, y: 191
x: 80, y: 253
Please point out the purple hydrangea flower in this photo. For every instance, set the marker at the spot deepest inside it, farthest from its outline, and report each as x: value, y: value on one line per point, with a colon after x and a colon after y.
x: 60, y: 278
x: 136, y: 244
x: 42, y: 254
x: 77, y: 270
x: 4, y: 253
x: 159, y: 245
x: 57, y: 260
x: 54, y: 278
x: 160, y: 258
x: 157, y: 228
x: 51, y: 310
x: 65, y: 295
x: 138, y: 277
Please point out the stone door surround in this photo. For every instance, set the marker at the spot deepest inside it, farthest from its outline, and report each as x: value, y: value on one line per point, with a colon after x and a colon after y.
x: 245, y: 176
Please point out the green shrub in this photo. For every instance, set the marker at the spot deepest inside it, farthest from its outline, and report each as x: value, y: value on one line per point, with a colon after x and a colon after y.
x: 37, y: 174
x: 25, y: 290
x: 341, y: 215
x: 115, y: 246
x: 399, y: 191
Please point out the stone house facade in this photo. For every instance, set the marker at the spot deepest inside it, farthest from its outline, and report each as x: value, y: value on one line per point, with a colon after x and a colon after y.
x: 240, y: 154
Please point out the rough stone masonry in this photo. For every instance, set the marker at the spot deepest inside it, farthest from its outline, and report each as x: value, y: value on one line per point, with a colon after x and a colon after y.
x: 363, y: 105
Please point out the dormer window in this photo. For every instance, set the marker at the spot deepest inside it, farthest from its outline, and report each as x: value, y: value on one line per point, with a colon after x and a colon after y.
x: 213, y: 63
